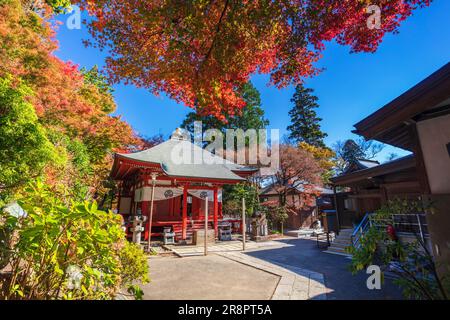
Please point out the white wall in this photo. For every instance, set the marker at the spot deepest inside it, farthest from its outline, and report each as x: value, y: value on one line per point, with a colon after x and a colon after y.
x: 434, y: 135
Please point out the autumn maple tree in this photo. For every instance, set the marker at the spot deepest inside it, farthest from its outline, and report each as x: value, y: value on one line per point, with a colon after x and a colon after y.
x: 252, y: 117
x: 298, y: 170
x: 56, y: 120
x: 299, y: 173
x: 57, y: 137
x: 200, y: 52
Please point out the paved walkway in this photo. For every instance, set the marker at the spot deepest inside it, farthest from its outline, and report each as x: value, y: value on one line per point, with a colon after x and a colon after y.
x: 340, y: 283
x: 228, y: 246
x: 207, y: 278
x: 294, y: 284
x: 283, y: 269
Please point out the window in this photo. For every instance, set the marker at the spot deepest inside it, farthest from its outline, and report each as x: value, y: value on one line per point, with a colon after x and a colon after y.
x: 349, y: 204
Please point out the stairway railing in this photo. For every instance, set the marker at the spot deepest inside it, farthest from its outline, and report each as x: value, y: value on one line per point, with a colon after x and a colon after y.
x: 412, y: 223
x: 359, y: 231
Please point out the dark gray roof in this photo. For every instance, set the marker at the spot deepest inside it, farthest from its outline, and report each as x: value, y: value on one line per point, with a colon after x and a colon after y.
x: 395, y: 165
x: 360, y: 164
x: 365, y: 163
x: 269, y: 189
x: 170, y: 156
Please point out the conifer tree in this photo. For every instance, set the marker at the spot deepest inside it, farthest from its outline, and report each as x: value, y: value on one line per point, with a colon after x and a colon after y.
x: 305, y: 124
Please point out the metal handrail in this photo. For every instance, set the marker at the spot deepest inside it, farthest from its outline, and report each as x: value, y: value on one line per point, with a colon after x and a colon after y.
x: 359, y: 231
x: 368, y: 221
x: 361, y: 224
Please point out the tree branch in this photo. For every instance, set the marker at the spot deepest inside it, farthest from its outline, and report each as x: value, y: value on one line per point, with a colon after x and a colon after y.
x: 219, y: 23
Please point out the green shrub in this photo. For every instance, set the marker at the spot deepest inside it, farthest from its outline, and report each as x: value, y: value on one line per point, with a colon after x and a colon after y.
x: 415, y: 267
x: 24, y: 147
x: 67, y: 251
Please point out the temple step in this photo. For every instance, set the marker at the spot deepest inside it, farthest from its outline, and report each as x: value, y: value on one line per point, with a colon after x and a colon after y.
x: 178, y: 229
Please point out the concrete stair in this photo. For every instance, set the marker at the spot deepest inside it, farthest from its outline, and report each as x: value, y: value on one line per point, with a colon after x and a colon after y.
x: 341, y: 242
x: 191, y: 227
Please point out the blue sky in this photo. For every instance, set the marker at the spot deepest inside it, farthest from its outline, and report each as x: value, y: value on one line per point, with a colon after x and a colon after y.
x: 351, y: 87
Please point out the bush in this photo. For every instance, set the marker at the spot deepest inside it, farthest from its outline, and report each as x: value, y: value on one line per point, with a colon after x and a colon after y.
x: 232, y: 199
x: 411, y: 262
x: 67, y: 251
x: 276, y: 216
x: 24, y: 147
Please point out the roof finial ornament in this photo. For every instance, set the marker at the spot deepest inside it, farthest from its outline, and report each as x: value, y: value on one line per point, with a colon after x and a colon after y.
x: 179, y: 134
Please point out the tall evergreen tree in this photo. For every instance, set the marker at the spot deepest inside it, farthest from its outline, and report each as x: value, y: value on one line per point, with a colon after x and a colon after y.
x: 250, y: 117
x: 351, y: 151
x: 305, y: 124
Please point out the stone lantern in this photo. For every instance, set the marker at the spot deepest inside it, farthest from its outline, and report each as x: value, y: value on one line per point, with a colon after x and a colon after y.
x: 259, y: 227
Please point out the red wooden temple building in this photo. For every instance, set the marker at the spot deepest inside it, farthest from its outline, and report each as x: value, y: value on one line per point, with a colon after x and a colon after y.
x: 182, y: 175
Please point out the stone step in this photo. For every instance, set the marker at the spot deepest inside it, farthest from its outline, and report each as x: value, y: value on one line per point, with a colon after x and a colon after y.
x: 339, y: 246
x: 338, y: 253
x: 338, y: 250
x: 344, y: 237
x: 345, y: 233
x: 343, y: 241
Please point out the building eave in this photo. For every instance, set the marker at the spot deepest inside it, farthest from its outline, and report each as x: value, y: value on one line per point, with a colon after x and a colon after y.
x: 407, y: 162
x: 390, y: 123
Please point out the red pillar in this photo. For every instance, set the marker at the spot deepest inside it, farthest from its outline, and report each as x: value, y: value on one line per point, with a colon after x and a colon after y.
x: 184, y: 213
x: 216, y: 212
x: 118, y: 203
x: 146, y: 212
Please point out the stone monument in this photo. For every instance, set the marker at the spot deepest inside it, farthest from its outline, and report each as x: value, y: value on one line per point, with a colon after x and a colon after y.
x: 259, y: 227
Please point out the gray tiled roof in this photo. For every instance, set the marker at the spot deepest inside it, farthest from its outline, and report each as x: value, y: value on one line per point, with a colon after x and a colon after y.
x: 169, y: 155
x: 368, y: 163
x: 269, y: 189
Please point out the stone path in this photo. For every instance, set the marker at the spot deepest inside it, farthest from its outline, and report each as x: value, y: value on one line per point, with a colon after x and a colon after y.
x: 229, y: 246
x: 211, y: 277
x: 341, y: 283
x: 295, y: 283
x: 281, y: 269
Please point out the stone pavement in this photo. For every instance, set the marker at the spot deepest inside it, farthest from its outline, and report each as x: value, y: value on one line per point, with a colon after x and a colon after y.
x: 295, y: 283
x: 341, y: 283
x: 299, y: 270
x: 210, y: 277
x: 228, y: 246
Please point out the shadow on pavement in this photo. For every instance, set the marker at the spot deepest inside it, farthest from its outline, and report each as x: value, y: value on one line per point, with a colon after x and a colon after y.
x: 343, y: 285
